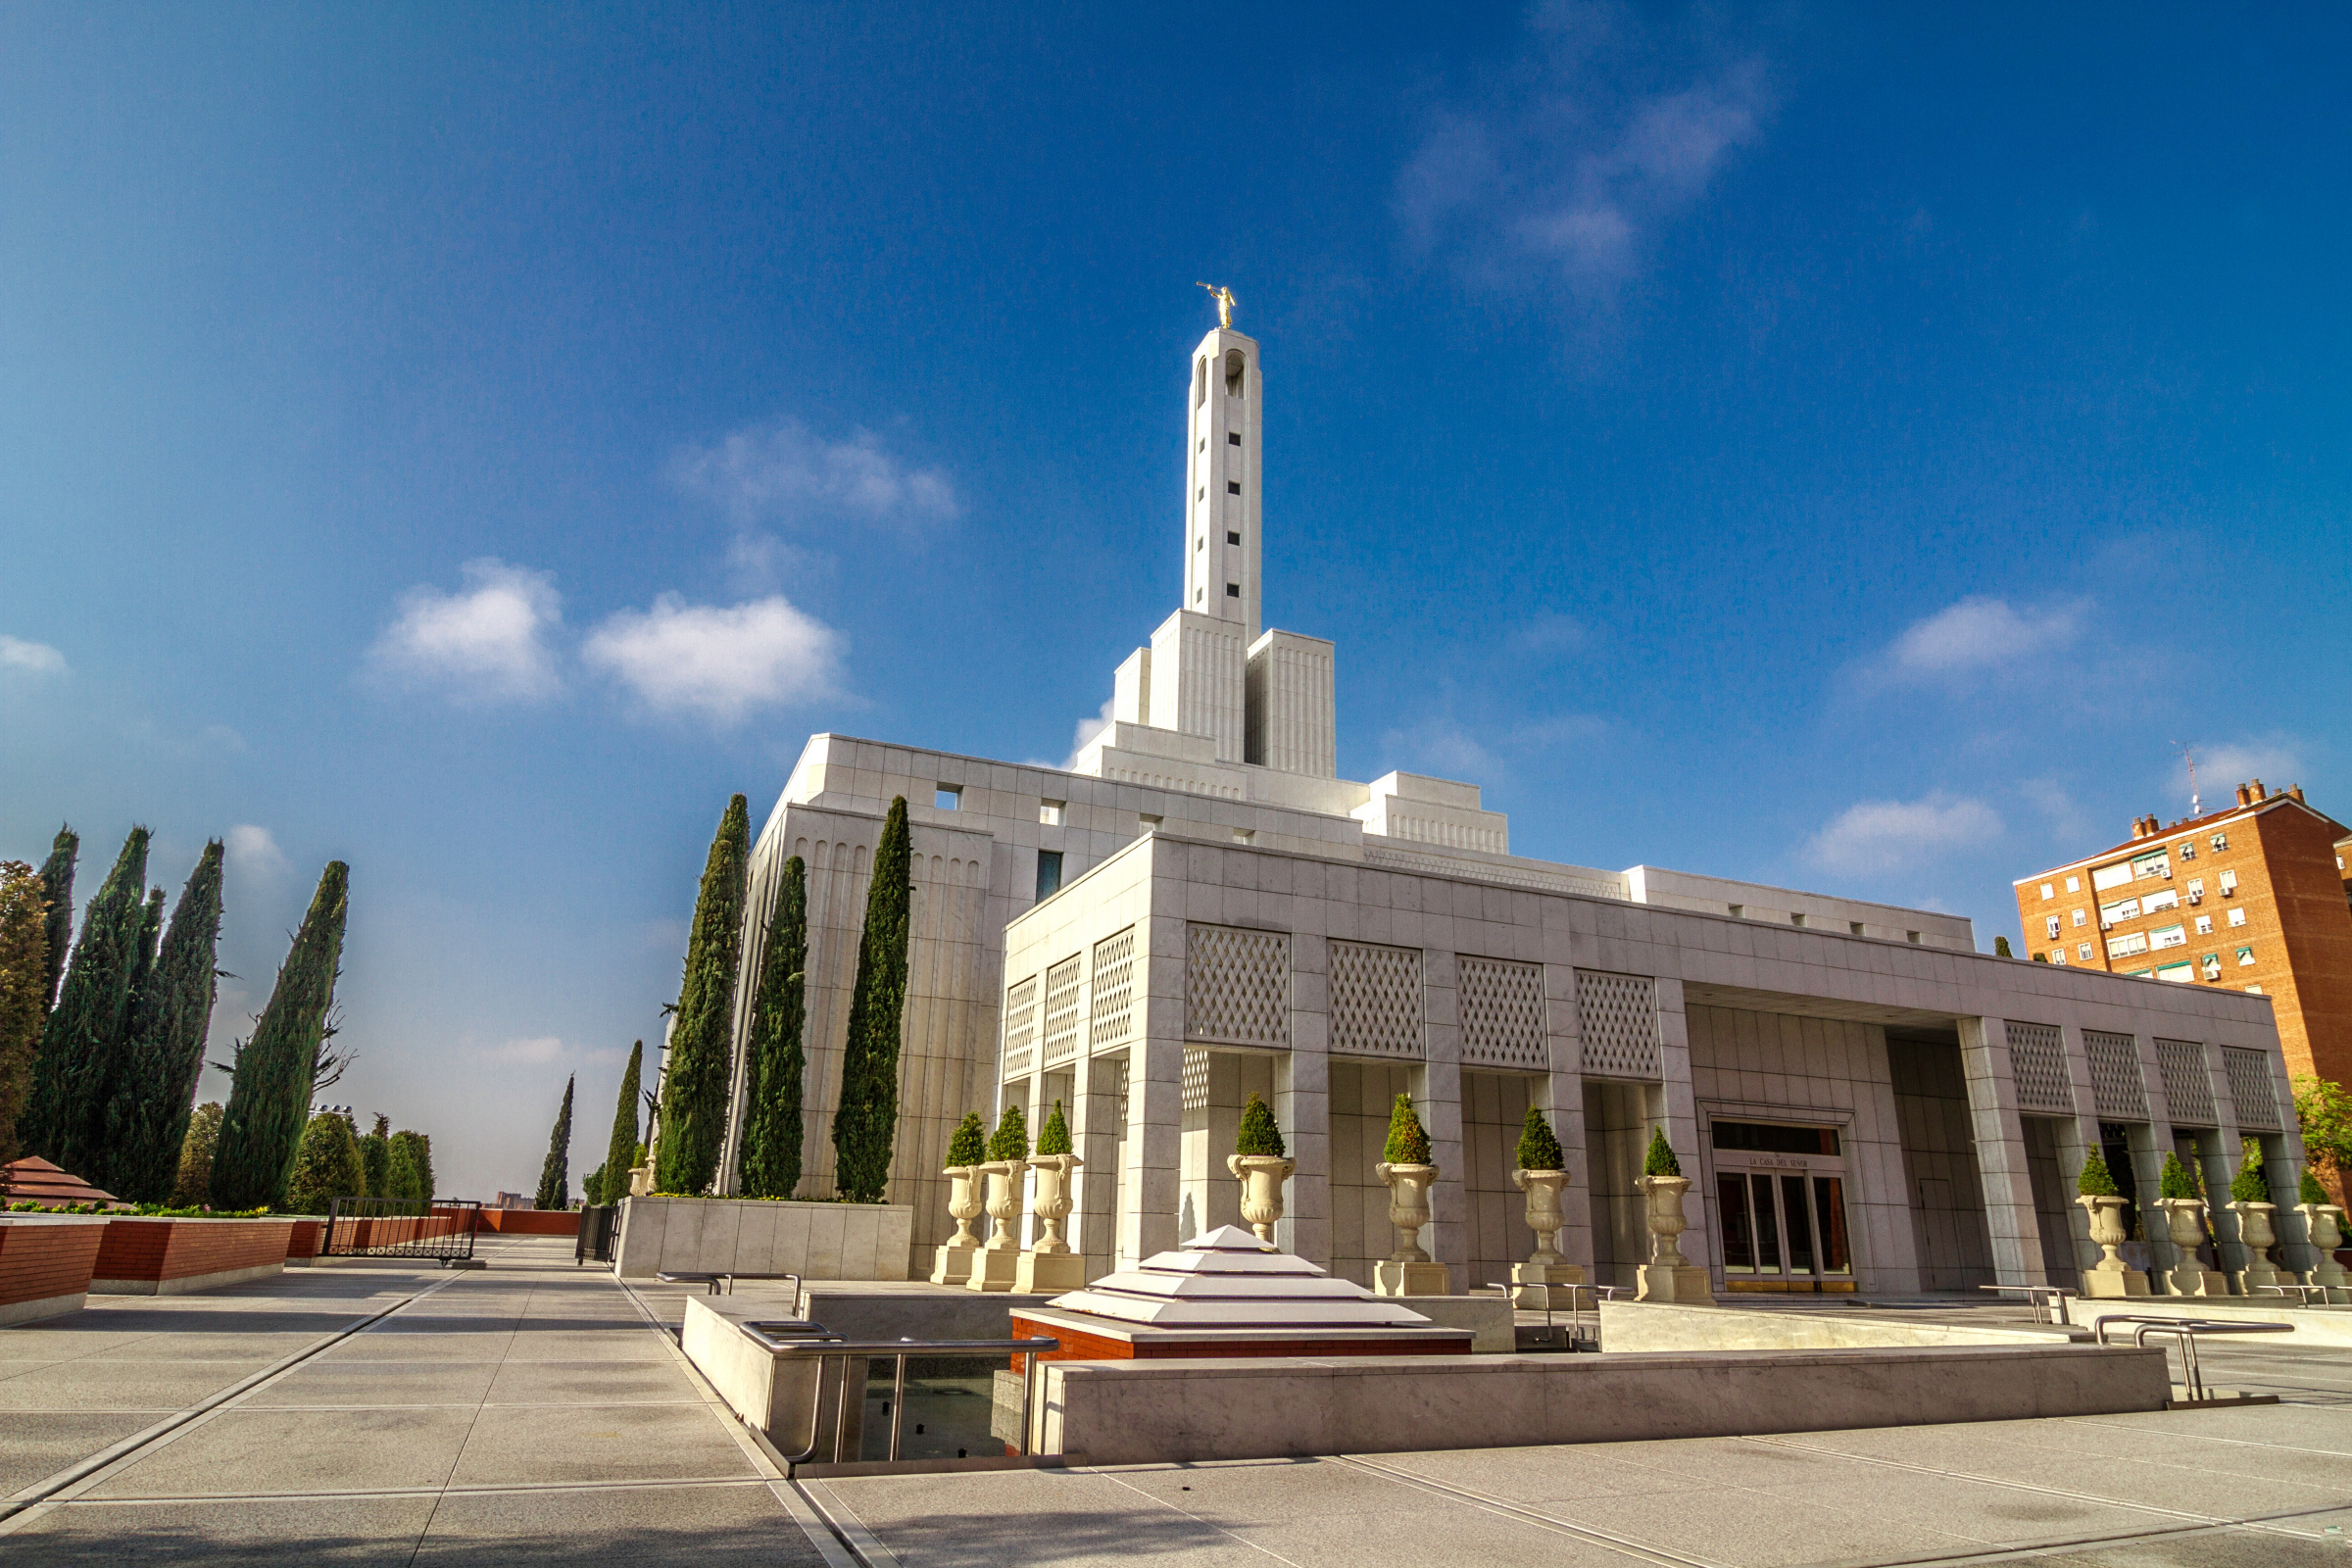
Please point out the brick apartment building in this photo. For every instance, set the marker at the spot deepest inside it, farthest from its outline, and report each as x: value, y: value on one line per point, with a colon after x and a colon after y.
x: 2256, y: 898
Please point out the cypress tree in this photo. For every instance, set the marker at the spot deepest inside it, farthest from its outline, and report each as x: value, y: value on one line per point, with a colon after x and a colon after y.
x: 24, y: 971
x: 620, y: 1151
x: 193, y: 1187
x: 327, y: 1166
x: 702, y: 1037
x: 270, y: 1093
x: 56, y: 882
x: 375, y: 1156
x: 84, y: 1034
x: 868, y: 1118
x: 148, y: 1107
x: 555, y: 1173
x: 772, y: 1122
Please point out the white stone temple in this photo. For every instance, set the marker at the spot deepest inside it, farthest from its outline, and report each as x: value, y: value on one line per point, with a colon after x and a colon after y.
x: 1201, y: 909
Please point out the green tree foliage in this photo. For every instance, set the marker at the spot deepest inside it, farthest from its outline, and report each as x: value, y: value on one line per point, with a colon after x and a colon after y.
x: 866, y: 1120
x: 2323, y: 1113
x: 1054, y: 1138
x: 57, y: 884
x: 83, y: 1040
x: 620, y: 1149
x: 969, y: 1143
x: 2249, y: 1185
x: 702, y: 1037
x: 1658, y: 1159
x: 555, y: 1172
x: 270, y: 1081
x: 776, y: 1061
x: 191, y: 1187
x: 147, y: 1109
x: 375, y: 1156
x: 1257, y: 1135
x: 2177, y: 1180
x: 2309, y: 1190
x: 1010, y: 1140
x: 1538, y: 1147
x: 2096, y: 1180
x: 24, y: 971
x: 326, y: 1165
x: 1408, y: 1143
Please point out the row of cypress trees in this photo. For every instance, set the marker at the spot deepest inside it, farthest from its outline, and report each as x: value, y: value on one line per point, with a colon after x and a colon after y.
x: 102, y: 1039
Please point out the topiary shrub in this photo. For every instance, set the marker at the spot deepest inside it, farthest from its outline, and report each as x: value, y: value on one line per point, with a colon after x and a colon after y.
x: 2096, y: 1180
x: 1407, y: 1144
x: 1010, y: 1140
x: 2177, y: 1180
x: 2310, y: 1191
x: 1054, y: 1138
x: 1259, y: 1134
x: 1660, y: 1160
x: 1539, y: 1148
x: 2249, y: 1185
x: 969, y: 1144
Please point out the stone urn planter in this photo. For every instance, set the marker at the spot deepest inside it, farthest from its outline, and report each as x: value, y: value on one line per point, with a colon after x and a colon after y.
x: 997, y: 1259
x: 1668, y: 1276
x: 1408, y: 1271
x: 2327, y: 1222
x: 953, y: 1263
x: 2258, y: 1234
x: 1048, y: 1264
x: 1545, y: 1267
x: 2184, y: 1221
x: 1261, y: 1177
x: 2110, y: 1277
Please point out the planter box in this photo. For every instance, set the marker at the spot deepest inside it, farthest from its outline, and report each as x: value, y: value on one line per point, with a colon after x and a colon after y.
x: 45, y: 1263
x: 532, y: 1221
x: 753, y: 1235
x: 173, y: 1256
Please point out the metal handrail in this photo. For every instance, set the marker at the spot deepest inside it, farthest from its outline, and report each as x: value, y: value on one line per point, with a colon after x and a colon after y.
x: 2185, y: 1329
x: 821, y: 1347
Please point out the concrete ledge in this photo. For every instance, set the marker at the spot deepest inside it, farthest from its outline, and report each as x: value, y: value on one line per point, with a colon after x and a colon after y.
x: 47, y: 1306
x: 187, y: 1283
x: 1139, y: 1412
x: 2314, y: 1325
x: 1667, y: 1327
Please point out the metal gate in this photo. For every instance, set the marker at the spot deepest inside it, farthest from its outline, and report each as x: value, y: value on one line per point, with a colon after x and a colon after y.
x: 401, y: 1227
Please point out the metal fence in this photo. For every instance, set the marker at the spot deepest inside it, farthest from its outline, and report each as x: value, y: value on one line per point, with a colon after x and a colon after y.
x: 401, y: 1227
x: 599, y: 1228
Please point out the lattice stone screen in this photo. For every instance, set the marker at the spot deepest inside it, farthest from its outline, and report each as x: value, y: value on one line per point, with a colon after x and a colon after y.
x: 1020, y: 1027
x: 2037, y: 1064
x: 1618, y: 1016
x: 1061, y: 1011
x: 2250, y: 1086
x: 1376, y: 1000
x: 1237, y: 986
x: 2115, y: 1081
x: 1113, y: 1011
x: 2187, y: 1089
x: 1502, y: 1013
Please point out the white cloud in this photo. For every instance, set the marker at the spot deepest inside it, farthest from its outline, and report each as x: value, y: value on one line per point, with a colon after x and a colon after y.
x: 786, y: 472
x: 486, y: 643
x: 1976, y: 635
x: 30, y: 659
x: 1879, y: 836
x: 1088, y: 729
x: 251, y: 851
x: 1566, y: 175
x: 721, y: 663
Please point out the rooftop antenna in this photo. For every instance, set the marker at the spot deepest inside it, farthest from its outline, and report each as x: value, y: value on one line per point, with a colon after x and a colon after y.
x: 2189, y: 751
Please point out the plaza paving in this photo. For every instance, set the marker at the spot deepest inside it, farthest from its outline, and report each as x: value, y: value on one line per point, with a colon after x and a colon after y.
x: 534, y: 1412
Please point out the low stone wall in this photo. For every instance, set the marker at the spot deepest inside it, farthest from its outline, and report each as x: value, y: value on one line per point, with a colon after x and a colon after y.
x: 171, y: 1257
x: 1139, y: 1412
x: 1662, y: 1326
x: 45, y: 1263
x: 755, y: 1235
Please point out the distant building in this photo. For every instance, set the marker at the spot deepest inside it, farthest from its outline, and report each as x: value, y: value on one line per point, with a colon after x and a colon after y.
x: 2254, y: 898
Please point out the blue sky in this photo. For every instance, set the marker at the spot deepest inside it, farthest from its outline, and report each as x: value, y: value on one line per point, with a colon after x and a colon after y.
x: 1838, y: 446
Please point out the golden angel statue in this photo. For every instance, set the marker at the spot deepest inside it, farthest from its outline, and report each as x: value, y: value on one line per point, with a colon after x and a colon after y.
x: 1225, y: 302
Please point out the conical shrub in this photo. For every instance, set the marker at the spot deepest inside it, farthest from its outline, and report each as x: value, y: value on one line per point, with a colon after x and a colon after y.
x: 701, y: 1036
x: 269, y: 1094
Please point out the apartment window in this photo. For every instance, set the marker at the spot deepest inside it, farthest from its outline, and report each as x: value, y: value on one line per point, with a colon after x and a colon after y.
x: 2211, y: 963
x: 2048, y: 892
x: 1232, y: 537
x: 2082, y: 918
x: 2204, y: 925
x: 2188, y: 852
x: 1048, y: 813
x: 2082, y: 952
x: 2074, y: 884
x: 1233, y: 590
x: 1049, y: 872
x: 1233, y: 487
x: 2052, y: 924
x: 2245, y: 956
x: 948, y: 796
x: 2229, y: 881
x: 2237, y: 917
x: 2221, y: 841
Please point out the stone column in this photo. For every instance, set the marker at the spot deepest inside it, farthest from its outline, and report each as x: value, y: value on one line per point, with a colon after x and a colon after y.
x: 1303, y: 1104
x: 1560, y: 1094
x: 1440, y: 1104
x: 1679, y: 1106
x: 1999, y: 1140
